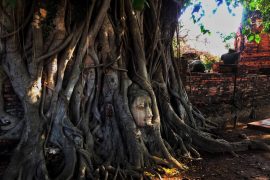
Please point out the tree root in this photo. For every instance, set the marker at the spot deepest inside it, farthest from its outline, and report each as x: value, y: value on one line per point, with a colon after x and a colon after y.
x: 70, y: 161
x: 87, y: 118
x: 205, y: 142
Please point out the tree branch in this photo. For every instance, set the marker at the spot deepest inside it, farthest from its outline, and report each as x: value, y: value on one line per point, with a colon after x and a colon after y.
x: 66, y: 57
x: 26, y: 21
x: 34, y: 66
x: 2, y: 9
x: 99, y: 20
x: 59, y: 36
x: 57, y: 49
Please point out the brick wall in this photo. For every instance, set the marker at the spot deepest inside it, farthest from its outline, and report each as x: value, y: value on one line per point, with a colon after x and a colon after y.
x: 12, y: 105
x: 254, y: 56
x: 210, y: 91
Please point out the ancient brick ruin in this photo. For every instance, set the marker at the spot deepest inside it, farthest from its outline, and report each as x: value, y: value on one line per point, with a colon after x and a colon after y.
x: 251, y: 74
x: 255, y: 57
x: 212, y: 92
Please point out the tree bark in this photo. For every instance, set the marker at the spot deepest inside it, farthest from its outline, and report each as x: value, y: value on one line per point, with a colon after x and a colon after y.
x: 73, y: 68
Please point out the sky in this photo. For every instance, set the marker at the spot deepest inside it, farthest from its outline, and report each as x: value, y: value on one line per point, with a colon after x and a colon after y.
x: 222, y: 21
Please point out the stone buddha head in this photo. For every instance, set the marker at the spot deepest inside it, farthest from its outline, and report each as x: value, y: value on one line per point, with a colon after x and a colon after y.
x: 140, y: 105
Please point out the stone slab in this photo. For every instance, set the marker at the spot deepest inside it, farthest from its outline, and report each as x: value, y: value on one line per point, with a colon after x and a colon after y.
x: 262, y: 125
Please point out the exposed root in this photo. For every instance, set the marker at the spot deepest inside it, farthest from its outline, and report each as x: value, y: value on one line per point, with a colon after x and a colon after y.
x: 84, y: 115
x: 70, y: 161
x: 204, y: 141
x: 128, y: 127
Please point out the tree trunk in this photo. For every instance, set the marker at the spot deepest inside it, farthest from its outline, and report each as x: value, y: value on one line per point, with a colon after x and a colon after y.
x: 100, y: 89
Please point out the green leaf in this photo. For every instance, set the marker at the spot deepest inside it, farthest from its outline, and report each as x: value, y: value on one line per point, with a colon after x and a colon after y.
x: 252, y: 5
x: 203, y: 30
x: 194, y: 19
x: 249, y: 21
x: 246, y: 31
x: 251, y: 37
x: 138, y: 5
x: 197, y: 8
x: 257, y: 38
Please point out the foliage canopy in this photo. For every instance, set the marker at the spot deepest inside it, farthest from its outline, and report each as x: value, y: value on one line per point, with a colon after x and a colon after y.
x: 250, y: 6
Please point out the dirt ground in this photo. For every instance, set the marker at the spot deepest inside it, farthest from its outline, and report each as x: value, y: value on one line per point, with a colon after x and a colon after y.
x: 250, y: 165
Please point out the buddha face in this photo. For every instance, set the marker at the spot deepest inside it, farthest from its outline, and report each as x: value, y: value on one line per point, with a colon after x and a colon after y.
x: 141, y: 110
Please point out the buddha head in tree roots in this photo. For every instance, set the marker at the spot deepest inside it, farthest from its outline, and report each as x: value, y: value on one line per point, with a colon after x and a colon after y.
x: 140, y: 105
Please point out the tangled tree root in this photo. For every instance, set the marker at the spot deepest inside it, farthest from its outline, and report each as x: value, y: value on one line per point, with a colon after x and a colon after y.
x: 73, y: 69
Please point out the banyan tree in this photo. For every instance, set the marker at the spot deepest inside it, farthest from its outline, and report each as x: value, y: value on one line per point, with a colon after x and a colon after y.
x: 100, y: 90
